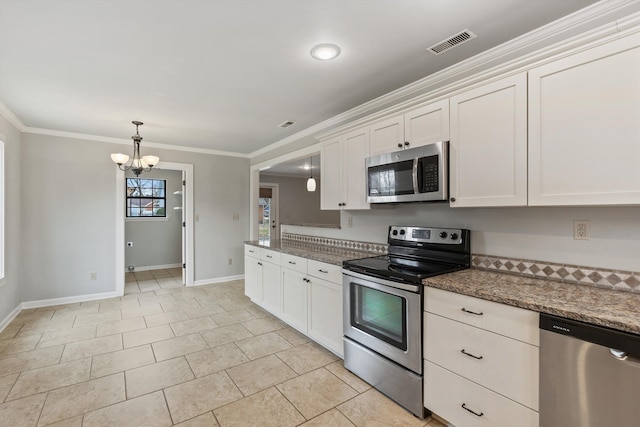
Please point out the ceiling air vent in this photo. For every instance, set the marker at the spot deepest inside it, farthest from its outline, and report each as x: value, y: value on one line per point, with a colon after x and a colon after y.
x: 286, y: 124
x: 461, y: 37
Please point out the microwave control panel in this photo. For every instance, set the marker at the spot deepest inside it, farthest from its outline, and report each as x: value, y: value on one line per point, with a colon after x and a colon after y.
x: 429, y: 181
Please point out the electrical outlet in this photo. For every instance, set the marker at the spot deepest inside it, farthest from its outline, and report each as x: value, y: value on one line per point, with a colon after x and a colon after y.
x: 197, y: 217
x: 93, y: 276
x: 236, y: 217
x: 580, y: 230
x: 350, y: 222
x: 230, y: 261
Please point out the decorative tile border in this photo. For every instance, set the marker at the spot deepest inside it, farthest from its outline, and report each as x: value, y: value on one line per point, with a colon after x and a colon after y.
x: 627, y: 281
x: 378, y: 248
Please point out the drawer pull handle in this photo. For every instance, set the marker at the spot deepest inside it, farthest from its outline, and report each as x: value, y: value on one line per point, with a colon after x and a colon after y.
x: 259, y: 263
x: 268, y: 256
x: 472, y: 312
x: 323, y: 271
x: 472, y: 411
x: 292, y: 262
x: 250, y: 251
x: 470, y: 355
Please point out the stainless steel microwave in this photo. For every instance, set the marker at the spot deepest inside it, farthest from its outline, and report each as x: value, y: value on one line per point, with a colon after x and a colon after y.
x: 415, y: 175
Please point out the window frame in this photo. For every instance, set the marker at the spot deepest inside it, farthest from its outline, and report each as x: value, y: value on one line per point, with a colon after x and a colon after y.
x: 153, y: 216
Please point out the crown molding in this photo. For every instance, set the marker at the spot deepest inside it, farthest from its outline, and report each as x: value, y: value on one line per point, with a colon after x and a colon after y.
x: 458, y: 72
x: 123, y: 141
x: 12, y: 118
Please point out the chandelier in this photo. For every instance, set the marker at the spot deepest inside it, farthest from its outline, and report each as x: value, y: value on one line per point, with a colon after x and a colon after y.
x: 138, y: 164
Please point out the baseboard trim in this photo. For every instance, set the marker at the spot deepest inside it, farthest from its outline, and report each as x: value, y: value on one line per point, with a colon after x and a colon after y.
x: 10, y: 317
x: 218, y: 280
x: 156, y: 267
x: 68, y: 300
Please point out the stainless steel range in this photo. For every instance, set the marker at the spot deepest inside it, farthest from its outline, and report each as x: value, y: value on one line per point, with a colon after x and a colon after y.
x: 383, y: 299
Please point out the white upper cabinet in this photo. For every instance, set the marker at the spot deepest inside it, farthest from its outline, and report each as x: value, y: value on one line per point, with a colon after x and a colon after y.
x: 421, y: 126
x: 488, y: 149
x: 387, y: 136
x: 584, y: 127
x: 427, y: 124
x: 344, y: 184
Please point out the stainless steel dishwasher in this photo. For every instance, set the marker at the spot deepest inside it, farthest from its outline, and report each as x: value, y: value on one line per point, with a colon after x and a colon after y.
x: 589, y: 375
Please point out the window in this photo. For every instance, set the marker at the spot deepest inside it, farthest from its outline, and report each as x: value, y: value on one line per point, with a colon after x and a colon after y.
x: 146, y: 198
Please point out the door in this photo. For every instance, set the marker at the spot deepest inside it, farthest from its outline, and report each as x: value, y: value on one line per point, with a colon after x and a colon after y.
x: 268, y: 224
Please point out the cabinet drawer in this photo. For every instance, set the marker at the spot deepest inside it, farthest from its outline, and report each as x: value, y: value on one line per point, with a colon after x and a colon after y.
x: 513, y: 322
x: 330, y: 272
x: 445, y: 393
x: 294, y: 263
x: 252, y: 251
x: 504, y: 365
x: 270, y: 256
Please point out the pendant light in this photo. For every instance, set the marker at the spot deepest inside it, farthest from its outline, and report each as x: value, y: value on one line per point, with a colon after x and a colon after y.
x: 138, y: 164
x: 311, y: 183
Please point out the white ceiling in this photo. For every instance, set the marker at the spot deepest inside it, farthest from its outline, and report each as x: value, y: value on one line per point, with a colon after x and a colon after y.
x: 222, y: 74
x: 298, y: 167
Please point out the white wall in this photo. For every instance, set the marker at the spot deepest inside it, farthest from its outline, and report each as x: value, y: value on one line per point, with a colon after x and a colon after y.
x: 538, y: 233
x: 10, y: 296
x: 157, y: 241
x: 296, y: 204
x: 68, y: 209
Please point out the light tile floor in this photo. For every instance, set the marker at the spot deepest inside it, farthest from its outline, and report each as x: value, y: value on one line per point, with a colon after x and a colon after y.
x: 166, y: 355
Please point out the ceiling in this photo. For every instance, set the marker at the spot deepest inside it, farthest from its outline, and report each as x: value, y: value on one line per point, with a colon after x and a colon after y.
x: 296, y: 168
x: 223, y: 74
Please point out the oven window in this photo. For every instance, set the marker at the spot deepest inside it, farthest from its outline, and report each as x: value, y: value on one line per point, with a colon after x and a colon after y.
x: 380, y: 314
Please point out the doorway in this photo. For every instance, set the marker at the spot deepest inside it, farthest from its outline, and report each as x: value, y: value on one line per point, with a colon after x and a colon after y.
x: 187, y: 229
x: 268, y: 224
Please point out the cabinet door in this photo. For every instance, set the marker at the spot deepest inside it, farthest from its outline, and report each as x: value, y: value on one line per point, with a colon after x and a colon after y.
x: 253, y: 279
x: 427, y: 124
x: 294, y: 299
x: 271, y: 289
x: 354, y: 183
x: 584, y: 127
x: 325, y: 314
x: 387, y: 136
x: 488, y: 150
x: 331, y: 195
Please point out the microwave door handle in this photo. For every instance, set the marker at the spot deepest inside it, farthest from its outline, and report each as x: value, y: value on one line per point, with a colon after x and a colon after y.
x: 416, y: 188
x: 417, y: 176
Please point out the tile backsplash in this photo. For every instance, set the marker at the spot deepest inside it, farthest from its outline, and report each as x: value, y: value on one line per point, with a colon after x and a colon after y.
x: 627, y: 281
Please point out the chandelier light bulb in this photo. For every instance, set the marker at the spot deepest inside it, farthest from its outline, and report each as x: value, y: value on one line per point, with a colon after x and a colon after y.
x: 138, y: 164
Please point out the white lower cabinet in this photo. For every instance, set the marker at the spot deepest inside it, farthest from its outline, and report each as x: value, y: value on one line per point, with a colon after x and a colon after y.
x: 325, y: 313
x: 295, y: 293
x: 304, y: 293
x: 482, y: 355
x: 464, y: 403
x: 271, y: 289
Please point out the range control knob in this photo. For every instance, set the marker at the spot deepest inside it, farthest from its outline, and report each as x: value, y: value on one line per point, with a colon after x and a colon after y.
x: 443, y: 234
x: 454, y: 236
x: 394, y: 232
x: 402, y: 232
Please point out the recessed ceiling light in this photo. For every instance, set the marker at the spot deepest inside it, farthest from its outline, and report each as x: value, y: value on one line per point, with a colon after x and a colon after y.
x: 325, y: 51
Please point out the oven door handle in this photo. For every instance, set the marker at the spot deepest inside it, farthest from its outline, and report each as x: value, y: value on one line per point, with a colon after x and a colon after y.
x: 390, y: 283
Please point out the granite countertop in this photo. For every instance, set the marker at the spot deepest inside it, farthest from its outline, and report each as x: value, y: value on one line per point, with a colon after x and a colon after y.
x: 604, y: 307
x: 322, y: 253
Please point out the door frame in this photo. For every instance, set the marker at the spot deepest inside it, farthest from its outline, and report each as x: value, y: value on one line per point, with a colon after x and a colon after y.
x: 275, y: 200
x: 187, y: 217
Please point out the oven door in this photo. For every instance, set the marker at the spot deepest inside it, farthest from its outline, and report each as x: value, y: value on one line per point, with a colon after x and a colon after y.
x: 385, y: 317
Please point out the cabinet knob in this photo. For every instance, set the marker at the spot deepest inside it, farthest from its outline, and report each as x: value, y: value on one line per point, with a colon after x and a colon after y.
x: 406, y: 143
x: 399, y: 145
x: 453, y: 199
